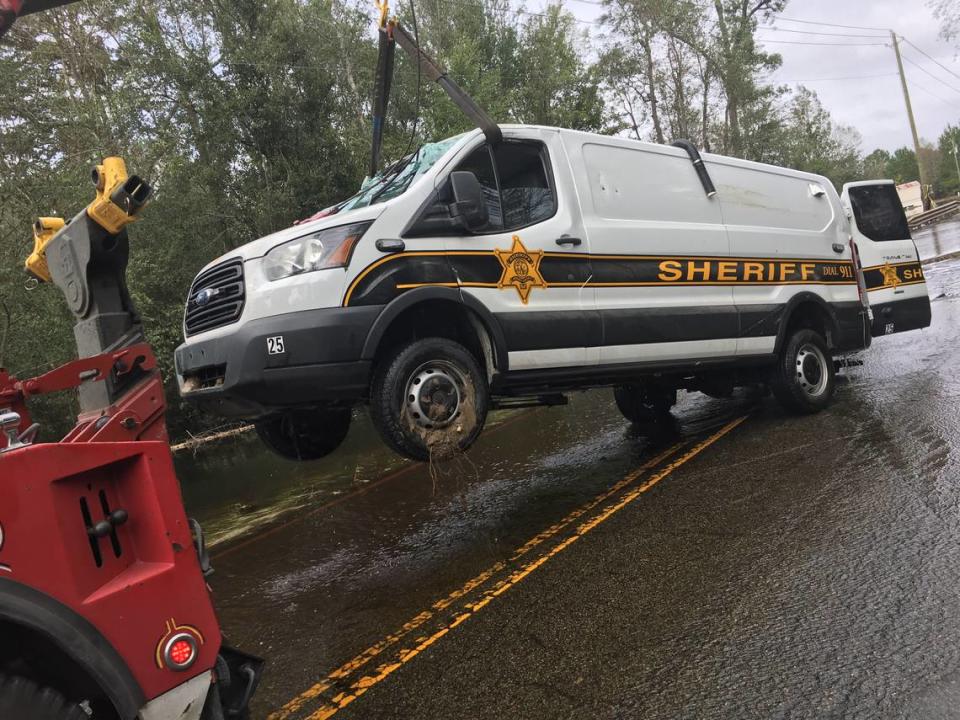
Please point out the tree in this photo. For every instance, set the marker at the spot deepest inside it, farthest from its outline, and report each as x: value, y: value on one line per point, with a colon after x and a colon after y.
x: 811, y: 141
x: 947, y: 147
x: 902, y: 166
x: 738, y: 61
x: 558, y: 88
x: 667, y: 55
x: 875, y: 164
x: 948, y: 12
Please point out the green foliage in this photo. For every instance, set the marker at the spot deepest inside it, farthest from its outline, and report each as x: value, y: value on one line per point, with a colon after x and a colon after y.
x: 902, y: 166
x: 947, y: 161
x: 245, y: 116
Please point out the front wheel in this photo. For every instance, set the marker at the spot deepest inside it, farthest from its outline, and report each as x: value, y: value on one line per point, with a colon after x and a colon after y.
x: 803, y: 380
x: 25, y: 700
x: 304, y: 434
x: 429, y: 399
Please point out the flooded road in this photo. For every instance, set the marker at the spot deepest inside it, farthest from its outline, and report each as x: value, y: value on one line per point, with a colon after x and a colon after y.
x: 938, y: 240
x: 738, y: 563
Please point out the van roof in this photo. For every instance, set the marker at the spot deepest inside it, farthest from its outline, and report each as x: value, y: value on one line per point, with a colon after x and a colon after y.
x: 621, y: 141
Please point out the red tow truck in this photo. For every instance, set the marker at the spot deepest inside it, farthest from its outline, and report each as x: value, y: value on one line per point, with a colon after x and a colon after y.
x: 104, y: 609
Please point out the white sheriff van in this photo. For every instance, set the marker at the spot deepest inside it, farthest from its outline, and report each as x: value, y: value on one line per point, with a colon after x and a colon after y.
x: 469, y: 276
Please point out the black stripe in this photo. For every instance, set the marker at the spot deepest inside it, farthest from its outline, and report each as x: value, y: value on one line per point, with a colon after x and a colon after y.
x: 379, y: 285
x: 875, y: 277
x: 560, y: 269
x: 760, y: 320
x: 634, y: 326
x: 533, y: 330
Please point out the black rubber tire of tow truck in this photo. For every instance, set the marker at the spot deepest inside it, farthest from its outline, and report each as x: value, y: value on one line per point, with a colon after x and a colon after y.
x: 803, y: 380
x: 304, y: 434
x: 644, y: 404
x: 394, y: 410
x: 22, y: 699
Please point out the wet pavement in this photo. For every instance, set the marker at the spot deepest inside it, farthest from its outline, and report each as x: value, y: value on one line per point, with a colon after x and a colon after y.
x: 938, y: 240
x: 737, y: 563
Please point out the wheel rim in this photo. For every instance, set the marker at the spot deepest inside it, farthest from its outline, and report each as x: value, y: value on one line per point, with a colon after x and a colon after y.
x: 434, y: 394
x: 812, y: 375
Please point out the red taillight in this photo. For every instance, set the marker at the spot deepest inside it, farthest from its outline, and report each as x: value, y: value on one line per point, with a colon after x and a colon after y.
x: 180, y: 651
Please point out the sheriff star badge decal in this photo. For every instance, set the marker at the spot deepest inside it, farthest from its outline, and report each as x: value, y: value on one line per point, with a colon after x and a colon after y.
x: 521, y: 269
x: 890, y: 277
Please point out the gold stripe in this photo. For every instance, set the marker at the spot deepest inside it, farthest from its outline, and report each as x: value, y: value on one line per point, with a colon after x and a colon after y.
x: 547, y: 254
x: 660, y: 283
x: 899, y: 264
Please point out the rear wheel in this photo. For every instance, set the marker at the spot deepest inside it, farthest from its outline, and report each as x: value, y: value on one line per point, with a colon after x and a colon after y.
x: 429, y: 399
x: 22, y: 699
x: 803, y: 380
x: 304, y: 434
x: 644, y: 403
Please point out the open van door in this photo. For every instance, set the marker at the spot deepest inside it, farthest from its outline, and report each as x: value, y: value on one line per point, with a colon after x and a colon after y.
x: 890, y: 264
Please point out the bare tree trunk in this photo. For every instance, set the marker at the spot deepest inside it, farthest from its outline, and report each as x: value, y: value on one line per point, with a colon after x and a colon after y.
x: 705, y: 109
x: 652, y: 90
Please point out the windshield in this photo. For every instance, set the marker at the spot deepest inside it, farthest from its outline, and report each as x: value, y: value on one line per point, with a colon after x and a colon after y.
x: 396, y: 178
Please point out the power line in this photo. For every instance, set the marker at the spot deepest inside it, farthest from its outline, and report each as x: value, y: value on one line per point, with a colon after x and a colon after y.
x: 811, y: 32
x: 929, y: 58
x: 849, y: 77
x: 934, y: 95
x: 923, y: 69
x: 829, y: 44
x: 849, y: 27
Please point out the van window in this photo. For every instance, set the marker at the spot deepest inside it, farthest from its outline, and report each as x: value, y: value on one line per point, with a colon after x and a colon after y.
x: 480, y: 163
x: 878, y: 212
x: 517, y: 189
x: 524, y: 188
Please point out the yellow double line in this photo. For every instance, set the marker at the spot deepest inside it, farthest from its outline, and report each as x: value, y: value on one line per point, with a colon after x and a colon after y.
x: 344, y: 697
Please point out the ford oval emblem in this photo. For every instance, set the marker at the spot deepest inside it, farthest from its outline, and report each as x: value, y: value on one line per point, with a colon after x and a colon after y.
x: 205, y: 296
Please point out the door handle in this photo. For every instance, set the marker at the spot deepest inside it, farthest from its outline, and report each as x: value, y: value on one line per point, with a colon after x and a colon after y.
x: 568, y: 240
x: 838, y: 247
x: 390, y: 246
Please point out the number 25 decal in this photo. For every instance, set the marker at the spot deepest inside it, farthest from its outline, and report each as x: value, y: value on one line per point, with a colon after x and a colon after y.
x: 275, y: 345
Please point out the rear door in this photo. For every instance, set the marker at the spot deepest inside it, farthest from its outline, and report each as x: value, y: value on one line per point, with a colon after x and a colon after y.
x: 892, y: 274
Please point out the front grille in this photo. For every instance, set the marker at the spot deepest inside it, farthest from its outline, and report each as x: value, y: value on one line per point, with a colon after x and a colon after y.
x: 204, y: 378
x: 216, y: 298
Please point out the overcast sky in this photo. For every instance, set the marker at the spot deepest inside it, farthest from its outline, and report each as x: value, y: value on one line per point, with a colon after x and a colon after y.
x: 873, y: 105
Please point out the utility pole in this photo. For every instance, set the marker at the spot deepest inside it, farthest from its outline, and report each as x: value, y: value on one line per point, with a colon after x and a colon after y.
x: 913, y: 125
x: 957, y: 163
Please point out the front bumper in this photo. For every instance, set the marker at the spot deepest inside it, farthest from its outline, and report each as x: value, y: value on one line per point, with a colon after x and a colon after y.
x: 235, y: 376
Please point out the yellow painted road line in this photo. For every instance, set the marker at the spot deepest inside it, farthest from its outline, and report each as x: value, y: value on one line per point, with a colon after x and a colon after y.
x: 472, y: 608
x: 344, y: 671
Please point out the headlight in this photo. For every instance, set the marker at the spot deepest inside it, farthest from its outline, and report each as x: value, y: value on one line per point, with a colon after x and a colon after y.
x: 330, y: 248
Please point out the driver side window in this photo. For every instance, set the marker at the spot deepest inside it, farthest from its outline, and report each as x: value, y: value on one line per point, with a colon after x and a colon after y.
x: 516, y: 188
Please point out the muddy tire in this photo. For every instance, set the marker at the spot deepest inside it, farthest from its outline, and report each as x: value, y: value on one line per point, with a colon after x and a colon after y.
x: 304, y: 434
x: 643, y: 404
x: 429, y: 399
x: 25, y: 700
x: 804, y: 378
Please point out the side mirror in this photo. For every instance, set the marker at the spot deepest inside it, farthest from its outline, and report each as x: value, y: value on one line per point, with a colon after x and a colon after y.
x: 468, y: 205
